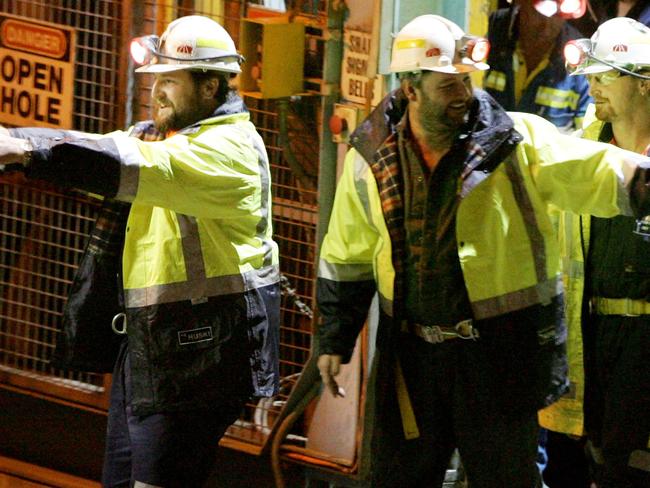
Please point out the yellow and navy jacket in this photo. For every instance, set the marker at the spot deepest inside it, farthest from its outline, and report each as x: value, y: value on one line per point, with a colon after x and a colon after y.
x: 551, y: 93
x: 200, y: 268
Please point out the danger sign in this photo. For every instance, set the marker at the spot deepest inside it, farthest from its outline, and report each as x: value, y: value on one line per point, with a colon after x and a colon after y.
x: 36, y: 73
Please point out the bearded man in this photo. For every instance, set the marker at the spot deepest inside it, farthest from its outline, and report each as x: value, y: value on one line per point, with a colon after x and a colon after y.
x: 199, y: 266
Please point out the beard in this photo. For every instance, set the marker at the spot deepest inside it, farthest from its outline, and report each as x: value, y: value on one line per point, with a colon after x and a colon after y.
x: 436, y: 118
x: 173, y: 117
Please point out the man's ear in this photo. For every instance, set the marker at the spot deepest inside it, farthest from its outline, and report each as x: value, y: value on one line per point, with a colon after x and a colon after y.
x: 409, y: 89
x: 209, y: 88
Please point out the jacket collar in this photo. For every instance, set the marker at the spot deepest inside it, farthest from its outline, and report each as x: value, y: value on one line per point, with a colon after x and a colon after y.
x: 233, y: 105
x: 488, y: 124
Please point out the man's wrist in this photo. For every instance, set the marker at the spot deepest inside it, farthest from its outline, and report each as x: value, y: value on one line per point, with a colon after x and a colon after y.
x: 28, y: 152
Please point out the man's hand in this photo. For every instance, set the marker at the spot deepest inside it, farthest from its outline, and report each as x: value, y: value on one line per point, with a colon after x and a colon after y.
x: 329, y: 366
x: 13, y: 150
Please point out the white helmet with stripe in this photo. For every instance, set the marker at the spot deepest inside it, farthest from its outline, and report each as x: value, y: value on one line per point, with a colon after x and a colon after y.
x: 433, y: 43
x: 193, y: 42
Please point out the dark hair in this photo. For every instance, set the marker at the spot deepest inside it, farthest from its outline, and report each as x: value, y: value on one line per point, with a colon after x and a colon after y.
x: 224, y: 87
x: 415, y: 77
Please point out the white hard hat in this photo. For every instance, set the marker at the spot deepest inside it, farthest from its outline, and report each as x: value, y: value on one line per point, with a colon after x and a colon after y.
x: 620, y: 43
x: 193, y: 42
x: 433, y: 43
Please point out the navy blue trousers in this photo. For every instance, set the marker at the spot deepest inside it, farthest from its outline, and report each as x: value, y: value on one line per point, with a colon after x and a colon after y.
x: 455, y: 395
x: 170, y: 450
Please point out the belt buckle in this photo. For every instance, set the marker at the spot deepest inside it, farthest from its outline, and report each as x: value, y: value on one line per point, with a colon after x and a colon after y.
x: 465, y: 330
x: 433, y: 334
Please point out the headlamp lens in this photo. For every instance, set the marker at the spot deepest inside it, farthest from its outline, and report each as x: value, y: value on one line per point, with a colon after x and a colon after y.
x: 143, y: 49
x: 574, y: 54
x: 570, y: 7
x: 547, y: 8
x: 478, y: 51
x: 567, y: 9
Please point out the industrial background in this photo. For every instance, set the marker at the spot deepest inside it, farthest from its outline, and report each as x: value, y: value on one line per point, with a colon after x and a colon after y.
x: 312, y: 71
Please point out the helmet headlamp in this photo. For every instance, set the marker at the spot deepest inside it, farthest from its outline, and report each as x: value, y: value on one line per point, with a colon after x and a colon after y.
x: 576, y: 53
x: 144, y: 49
x: 567, y: 9
x: 475, y: 48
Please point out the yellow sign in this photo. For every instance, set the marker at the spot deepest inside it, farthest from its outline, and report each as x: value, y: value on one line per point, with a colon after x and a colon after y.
x: 36, y: 73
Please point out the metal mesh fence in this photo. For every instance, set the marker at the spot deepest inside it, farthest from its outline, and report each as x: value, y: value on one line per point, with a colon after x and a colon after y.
x: 42, y: 231
x: 42, y: 236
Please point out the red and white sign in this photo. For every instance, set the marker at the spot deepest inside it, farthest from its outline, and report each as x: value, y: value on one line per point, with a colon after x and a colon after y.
x: 36, y: 73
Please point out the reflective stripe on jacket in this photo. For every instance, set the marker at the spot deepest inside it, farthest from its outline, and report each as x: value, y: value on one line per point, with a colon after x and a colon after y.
x: 566, y: 415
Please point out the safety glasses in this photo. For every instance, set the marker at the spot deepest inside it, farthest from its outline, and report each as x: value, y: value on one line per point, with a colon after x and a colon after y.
x: 606, y: 78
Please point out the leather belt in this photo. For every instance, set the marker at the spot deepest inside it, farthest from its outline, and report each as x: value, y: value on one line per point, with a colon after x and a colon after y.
x: 620, y: 306
x: 436, y: 334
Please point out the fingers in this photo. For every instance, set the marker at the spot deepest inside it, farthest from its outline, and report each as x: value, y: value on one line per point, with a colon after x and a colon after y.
x: 329, y: 366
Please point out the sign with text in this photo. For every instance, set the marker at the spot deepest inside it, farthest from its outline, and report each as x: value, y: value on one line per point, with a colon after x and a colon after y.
x: 356, y: 87
x: 36, y: 73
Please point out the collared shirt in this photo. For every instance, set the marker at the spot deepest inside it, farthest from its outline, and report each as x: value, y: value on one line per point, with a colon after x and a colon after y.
x: 435, y: 291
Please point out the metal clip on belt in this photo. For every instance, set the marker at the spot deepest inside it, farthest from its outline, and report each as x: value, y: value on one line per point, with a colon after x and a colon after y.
x: 436, y: 334
x: 620, y: 306
x: 120, y: 317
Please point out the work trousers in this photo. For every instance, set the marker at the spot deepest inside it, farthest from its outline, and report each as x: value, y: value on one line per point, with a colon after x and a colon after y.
x: 167, y: 450
x: 617, y: 398
x: 461, y: 399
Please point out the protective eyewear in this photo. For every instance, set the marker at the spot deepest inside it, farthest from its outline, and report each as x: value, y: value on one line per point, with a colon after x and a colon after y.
x: 146, y: 50
x: 567, y: 9
x: 606, y: 78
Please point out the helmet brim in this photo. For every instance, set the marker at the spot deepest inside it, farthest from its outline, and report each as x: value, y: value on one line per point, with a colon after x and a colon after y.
x: 591, y: 69
x: 457, y: 68
x: 169, y: 67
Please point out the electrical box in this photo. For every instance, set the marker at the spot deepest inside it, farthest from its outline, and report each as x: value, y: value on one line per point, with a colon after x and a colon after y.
x: 274, y: 52
x: 343, y: 121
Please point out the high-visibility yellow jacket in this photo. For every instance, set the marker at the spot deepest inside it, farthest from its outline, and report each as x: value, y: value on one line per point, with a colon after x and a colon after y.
x: 199, y: 229
x: 566, y: 415
x: 507, y: 244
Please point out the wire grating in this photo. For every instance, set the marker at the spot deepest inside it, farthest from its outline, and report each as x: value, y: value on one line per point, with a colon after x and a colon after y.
x: 42, y: 237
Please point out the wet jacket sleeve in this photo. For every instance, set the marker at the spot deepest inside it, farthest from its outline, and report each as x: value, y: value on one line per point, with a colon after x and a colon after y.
x: 577, y: 175
x: 346, y: 284
x: 199, y: 174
